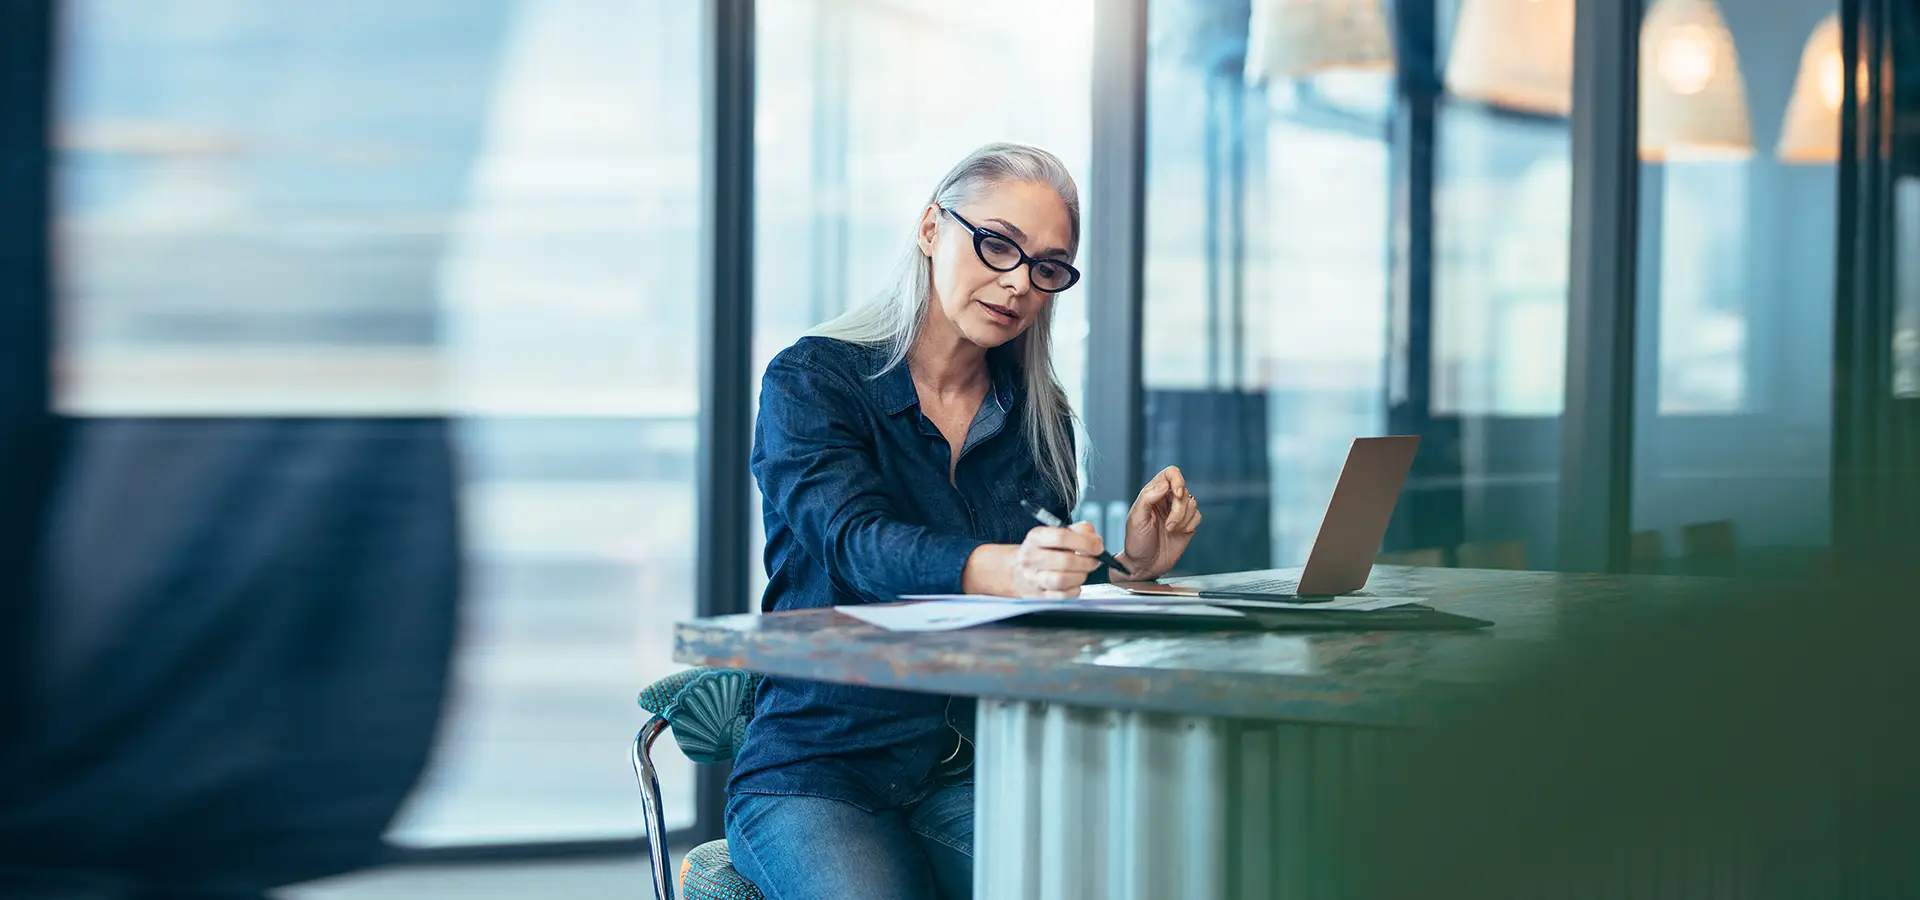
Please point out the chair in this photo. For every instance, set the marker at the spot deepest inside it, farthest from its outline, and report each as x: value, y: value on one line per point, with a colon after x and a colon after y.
x: 1426, y: 556
x: 1645, y: 551
x: 1708, y: 540
x: 707, y: 709
x: 1496, y: 555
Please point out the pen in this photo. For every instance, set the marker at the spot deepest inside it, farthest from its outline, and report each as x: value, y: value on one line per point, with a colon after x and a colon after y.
x: 1047, y: 518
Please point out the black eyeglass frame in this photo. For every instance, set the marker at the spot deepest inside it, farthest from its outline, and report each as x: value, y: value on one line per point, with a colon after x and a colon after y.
x: 980, y: 236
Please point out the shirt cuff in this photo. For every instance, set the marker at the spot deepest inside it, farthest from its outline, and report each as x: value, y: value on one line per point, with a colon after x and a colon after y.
x: 945, y: 562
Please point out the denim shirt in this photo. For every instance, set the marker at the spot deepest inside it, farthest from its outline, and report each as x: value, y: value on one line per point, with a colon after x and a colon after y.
x: 858, y: 509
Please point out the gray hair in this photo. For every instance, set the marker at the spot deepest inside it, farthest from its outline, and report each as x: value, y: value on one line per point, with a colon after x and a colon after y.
x: 892, y: 319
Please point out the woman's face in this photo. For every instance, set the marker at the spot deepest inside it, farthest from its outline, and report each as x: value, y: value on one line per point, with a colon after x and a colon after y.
x: 990, y: 308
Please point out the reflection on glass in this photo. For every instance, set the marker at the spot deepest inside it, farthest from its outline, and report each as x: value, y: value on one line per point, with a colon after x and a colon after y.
x: 1906, y: 315
x: 851, y: 139
x: 1735, y: 292
x: 1702, y: 290
x: 472, y: 208
x: 1514, y: 55
x: 1812, y: 130
x: 1503, y: 210
x: 1295, y: 38
x: 1282, y: 285
x: 1693, y: 102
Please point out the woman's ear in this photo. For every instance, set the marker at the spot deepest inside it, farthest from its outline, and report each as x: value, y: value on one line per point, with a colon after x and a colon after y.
x: 929, y: 229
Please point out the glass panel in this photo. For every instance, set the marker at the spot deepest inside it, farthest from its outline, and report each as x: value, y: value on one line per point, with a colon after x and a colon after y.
x: 1501, y: 234
x: 1330, y: 256
x: 863, y: 106
x: 1735, y: 284
x: 1906, y: 260
x: 473, y: 208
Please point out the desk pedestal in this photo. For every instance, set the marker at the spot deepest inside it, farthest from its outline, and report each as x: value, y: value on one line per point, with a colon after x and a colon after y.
x: 1079, y: 802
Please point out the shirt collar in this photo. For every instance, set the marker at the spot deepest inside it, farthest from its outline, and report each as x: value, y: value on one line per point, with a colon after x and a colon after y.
x: 894, y: 389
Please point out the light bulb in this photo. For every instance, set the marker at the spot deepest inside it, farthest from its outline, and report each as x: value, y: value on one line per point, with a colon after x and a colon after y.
x: 1686, y: 60
x: 1832, y: 80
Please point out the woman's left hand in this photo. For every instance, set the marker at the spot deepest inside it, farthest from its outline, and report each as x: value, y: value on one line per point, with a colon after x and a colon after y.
x: 1159, y: 527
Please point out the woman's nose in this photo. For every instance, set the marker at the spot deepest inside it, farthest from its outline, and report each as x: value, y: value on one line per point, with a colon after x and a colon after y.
x: 1020, y: 280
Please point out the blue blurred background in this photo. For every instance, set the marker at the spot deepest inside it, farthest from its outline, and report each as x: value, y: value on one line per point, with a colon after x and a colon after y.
x: 490, y: 212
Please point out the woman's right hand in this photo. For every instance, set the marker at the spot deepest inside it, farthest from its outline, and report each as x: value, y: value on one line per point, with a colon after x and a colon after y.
x: 1055, y: 562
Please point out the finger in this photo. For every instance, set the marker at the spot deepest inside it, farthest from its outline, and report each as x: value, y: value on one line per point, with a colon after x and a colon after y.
x: 1060, y: 561
x: 1175, y: 480
x: 1192, y: 516
x: 1152, y: 496
x: 1081, y: 538
x: 1183, y: 509
x: 1048, y: 538
x: 1194, y: 525
x: 1039, y: 559
x: 1059, y: 581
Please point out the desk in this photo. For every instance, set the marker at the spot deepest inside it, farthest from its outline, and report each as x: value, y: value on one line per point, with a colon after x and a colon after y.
x: 1197, y: 764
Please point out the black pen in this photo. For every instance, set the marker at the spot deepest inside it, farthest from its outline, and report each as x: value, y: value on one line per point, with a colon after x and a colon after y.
x: 1047, y: 518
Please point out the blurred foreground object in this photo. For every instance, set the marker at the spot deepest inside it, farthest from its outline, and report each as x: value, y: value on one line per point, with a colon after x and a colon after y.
x: 1757, y: 741
x: 241, y: 651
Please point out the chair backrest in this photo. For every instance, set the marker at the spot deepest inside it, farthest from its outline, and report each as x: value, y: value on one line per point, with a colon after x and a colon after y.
x: 1497, y: 555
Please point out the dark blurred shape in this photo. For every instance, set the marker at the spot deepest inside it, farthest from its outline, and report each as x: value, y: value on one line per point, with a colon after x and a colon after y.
x: 1754, y: 740
x: 1218, y: 439
x: 27, y: 434
x: 1493, y: 555
x: 1426, y: 556
x: 243, y: 640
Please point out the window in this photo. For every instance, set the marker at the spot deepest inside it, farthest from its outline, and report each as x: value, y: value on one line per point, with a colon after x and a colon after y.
x: 1906, y: 324
x: 1333, y: 254
x: 1502, y: 213
x: 863, y: 106
x: 1732, y: 458
x: 469, y: 208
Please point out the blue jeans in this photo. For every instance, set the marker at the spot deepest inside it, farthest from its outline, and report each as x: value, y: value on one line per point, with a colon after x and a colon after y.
x: 796, y: 847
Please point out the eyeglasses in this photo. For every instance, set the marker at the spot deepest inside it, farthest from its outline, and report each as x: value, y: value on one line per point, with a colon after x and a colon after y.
x: 1001, y: 254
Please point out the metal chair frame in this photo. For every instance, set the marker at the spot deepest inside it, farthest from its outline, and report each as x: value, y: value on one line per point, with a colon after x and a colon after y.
x: 643, y: 771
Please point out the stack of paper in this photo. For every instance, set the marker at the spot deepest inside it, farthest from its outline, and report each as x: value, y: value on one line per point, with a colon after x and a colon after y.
x: 947, y: 612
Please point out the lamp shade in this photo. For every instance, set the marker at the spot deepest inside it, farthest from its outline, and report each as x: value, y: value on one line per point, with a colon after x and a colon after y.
x: 1693, y: 101
x: 1514, y: 54
x: 1292, y: 39
x: 1811, y: 131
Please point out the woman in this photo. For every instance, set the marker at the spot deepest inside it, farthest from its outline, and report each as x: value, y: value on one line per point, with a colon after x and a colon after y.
x: 894, y: 447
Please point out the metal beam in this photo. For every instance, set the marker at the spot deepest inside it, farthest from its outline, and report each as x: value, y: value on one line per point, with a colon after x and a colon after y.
x: 28, y: 430
x: 1116, y: 232
x: 723, y: 550
x: 1596, y: 449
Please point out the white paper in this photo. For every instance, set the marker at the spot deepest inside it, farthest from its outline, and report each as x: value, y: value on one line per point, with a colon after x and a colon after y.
x: 1349, y: 604
x: 954, y: 614
x: 1091, y: 594
x: 946, y: 615
x: 1105, y: 597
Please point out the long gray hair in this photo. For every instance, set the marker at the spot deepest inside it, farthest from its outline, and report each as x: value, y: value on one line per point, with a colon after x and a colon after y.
x: 892, y: 319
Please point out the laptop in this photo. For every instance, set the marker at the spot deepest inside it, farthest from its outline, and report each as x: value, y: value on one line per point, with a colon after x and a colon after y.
x: 1349, y: 538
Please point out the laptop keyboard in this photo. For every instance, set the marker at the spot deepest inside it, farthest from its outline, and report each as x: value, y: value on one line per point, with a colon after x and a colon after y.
x: 1268, y: 586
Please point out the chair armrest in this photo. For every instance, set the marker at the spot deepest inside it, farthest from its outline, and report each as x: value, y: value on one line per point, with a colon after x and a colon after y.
x: 708, y: 709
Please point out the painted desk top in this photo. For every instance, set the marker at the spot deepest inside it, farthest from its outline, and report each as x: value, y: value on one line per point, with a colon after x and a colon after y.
x: 1356, y: 678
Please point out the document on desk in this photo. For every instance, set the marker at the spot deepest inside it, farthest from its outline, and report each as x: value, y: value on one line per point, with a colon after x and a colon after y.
x: 1102, y: 595
x: 961, y: 612
x: 948, y: 612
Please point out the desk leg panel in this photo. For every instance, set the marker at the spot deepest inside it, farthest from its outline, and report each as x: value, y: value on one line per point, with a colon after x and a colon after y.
x: 1079, y: 802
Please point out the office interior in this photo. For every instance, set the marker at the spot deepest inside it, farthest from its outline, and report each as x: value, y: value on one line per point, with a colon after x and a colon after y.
x: 1644, y: 277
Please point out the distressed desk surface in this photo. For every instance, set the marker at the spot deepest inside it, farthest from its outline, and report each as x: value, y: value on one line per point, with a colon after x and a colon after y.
x: 1356, y: 678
